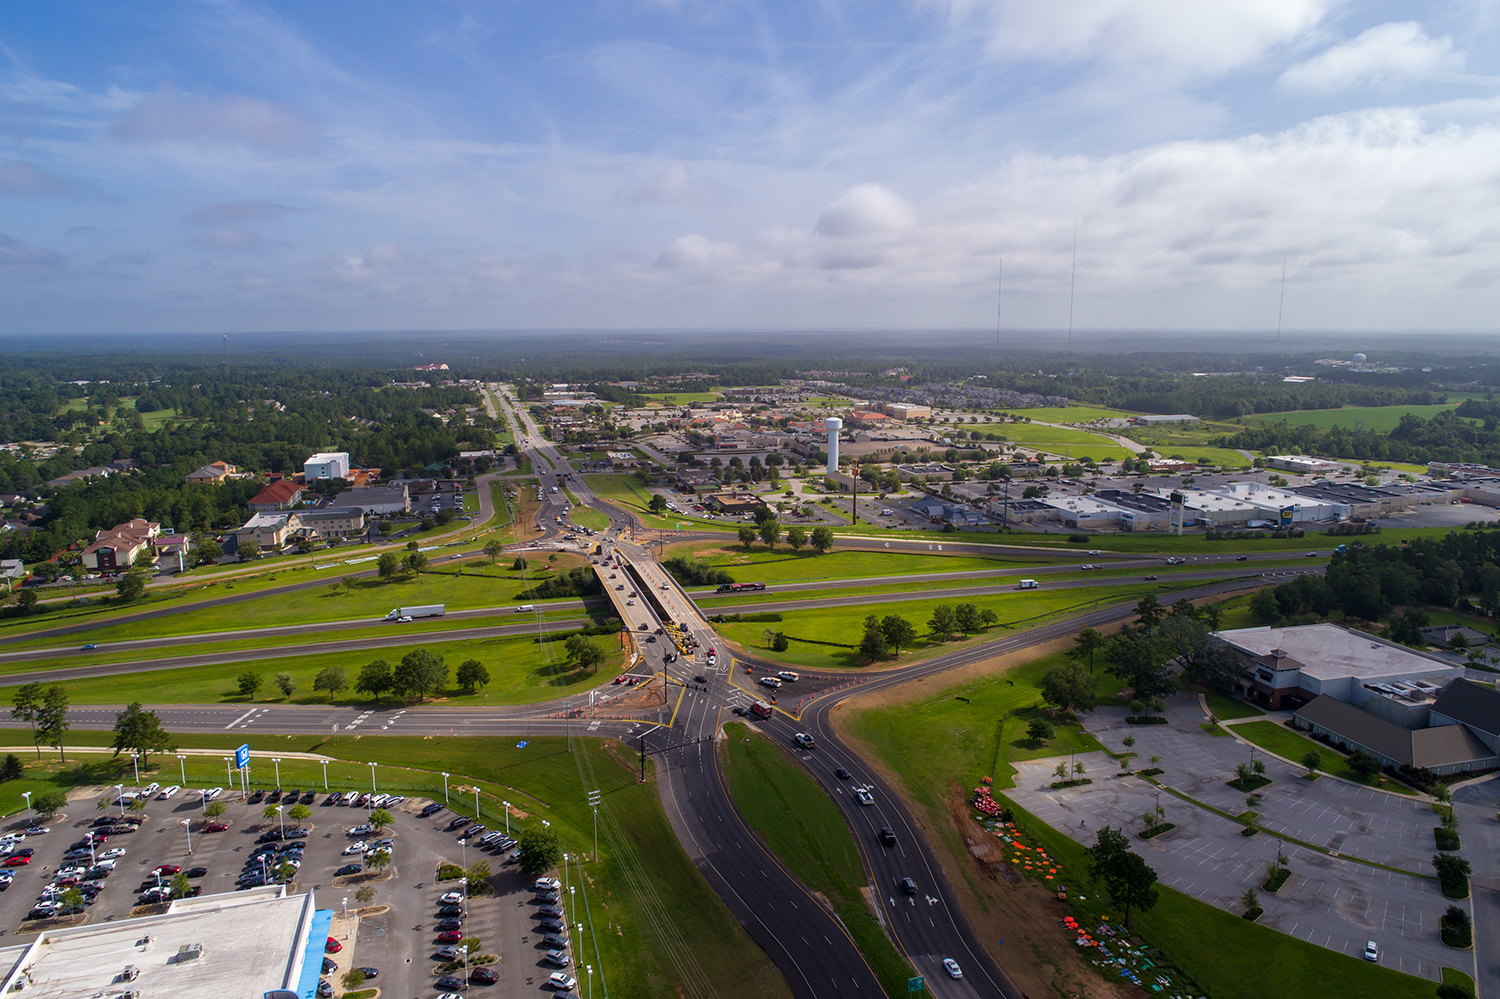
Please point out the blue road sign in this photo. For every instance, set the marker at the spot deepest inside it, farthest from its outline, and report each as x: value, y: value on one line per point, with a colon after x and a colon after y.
x: 242, y: 756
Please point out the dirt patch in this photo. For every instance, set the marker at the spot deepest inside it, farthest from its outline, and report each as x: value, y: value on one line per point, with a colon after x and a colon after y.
x: 1039, y: 957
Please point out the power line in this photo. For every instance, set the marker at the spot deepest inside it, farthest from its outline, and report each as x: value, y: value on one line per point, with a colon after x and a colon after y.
x: 1072, y: 284
x: 1281, y: 303
x: 999, y: 294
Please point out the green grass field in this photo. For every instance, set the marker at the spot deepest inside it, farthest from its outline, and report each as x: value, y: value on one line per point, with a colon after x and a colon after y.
x: 521, y: 672
x: 846, y: 624
x: 798, y: 822
x: 682, y: 398
x: 1382, y: 418
x: 1289, y: 745
x: 1229, y: 957
x: 1060, y: 440
x: 544, y: 781
x: 1074, y: 414
x: 583, y: 515
x: 1227, y: 708
x: 759, y: 564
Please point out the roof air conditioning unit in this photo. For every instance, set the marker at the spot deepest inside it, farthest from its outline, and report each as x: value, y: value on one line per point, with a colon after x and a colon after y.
x: 189, y: 952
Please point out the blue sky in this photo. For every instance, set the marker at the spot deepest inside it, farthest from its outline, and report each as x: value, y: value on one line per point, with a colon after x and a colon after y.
x: 376, y: 165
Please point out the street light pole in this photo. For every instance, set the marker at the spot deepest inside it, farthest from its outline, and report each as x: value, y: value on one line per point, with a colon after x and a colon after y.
x: 282, y: 817
x: 135, y: 761
x: 277, y: 760
x: 182, y: 761
x: 229, y: 773
x: 346, y: 919
x: 187, y: 824
x: 27, y: 796
x: 325, y: 775
x: 445, y: 787
x: 507, y: 813
x: 121, y: 798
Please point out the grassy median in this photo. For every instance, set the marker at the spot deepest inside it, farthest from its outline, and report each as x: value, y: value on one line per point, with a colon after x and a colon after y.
x: 802, y: 826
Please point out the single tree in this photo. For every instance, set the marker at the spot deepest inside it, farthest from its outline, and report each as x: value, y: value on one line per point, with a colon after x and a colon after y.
x: 49, y: 802
x: 140, y: 731
x: 1039, y: 731
x: 747, y: 535
x: 413, y: 564
x: 131, y: 585
x: 388, y: 565
x: 270, y: 811
x: 332, y: 679
x: 537, y: 849
x: 250, y: 683
x: 493, y: 549
x: 519, y: 565
x: 472, y: 675
x: 285, y: 684
x: 419, y: 673
x: 365, y: 895
x: 822, y: 539
x: 779, y: 642
x: 1068, y: 687
x: 966, y: 616
x: 584, y: 652
x: 1363, y: 763
x: 873, y: 645
x: 796, y: 537
x: 899, y: 632
x: 658, y: 503
x: 380, y: 819
x: 770, y: 533
x: 299, y: 813
x: 477, y: 877
x: 1250, y: 900
x: 11, y: 769
x: 349, y: 582
x: 942, y: 622
x: 25, y: 705
x: 353, y: 978
x: 215, y: 809
x: 988, y: 618
x: 374, y: 679
x: 181, y: 885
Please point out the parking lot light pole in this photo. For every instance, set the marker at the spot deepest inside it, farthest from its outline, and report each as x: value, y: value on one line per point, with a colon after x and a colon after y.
x: 590, y: 968
x: 182, y: 762
x: 507, y: 813
x: 463, y: 844
x: 229, y: 773
x: 32, y: 814
x: 476, y: 805
x: 280, y: 815
x: 573, y: 897
x: 135, y: 761
x: 445, y: 787
x: 372, y: 785
x: 187, y: 824
x: 121, y: 798
x: 346, y: 919
x: 325, y: 775
x: 277, y: 760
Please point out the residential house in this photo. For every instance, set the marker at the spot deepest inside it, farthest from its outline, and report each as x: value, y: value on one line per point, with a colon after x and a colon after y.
x: 215, y: 473
x: 280, y: 495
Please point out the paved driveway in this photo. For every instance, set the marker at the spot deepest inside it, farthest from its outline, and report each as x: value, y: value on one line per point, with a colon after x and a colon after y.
x: 1329, y: 901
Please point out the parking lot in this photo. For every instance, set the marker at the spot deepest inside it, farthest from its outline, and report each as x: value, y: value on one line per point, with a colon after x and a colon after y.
x: 399, y: 934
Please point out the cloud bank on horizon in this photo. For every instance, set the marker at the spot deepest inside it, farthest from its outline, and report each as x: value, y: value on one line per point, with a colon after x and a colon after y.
x: 222, y: 165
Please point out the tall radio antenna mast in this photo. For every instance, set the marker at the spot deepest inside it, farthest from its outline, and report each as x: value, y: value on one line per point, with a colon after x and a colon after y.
x: 1280, y: 303
x: 999, y: 293
x: 1072, y: 283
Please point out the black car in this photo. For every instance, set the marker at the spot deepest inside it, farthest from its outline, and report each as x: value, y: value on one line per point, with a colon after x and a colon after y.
x: 102, y: 820
x: 700, y: 678
x: 329, y: 966
x: 456, y: 823
x: 450, y: 924
x: 431, y: 809
x: 293, y: 795
x: 274, y: 796
x: 553, y: 911
x: 369, y: 973
x: 449, y: 910
x: 909, y: 886
x: 1242, y: 558
x: 308, y: 797
x: 269, y: 837
x: 196, y: 872
x: 349, y: 869
x: 550, y: 925
x: 451, y: 983
x: 841, y: 774
x: 256, y: 797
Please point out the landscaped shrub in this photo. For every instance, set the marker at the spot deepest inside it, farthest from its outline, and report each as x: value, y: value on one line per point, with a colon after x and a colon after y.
x: 1276, y: 878
x: 1457, y: 930
x: 1453, y: 875
x: 1156, y: 831
x: 1447, y: 839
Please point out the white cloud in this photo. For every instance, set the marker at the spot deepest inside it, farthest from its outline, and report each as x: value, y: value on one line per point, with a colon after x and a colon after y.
x: 376, y: 270
x: 20, y: 177
x: 677, y: 184
x: 1388, y: 53
x: 245, y: 210
x: 866, y: 210
x: 170, y: 114
x: 1169, y: 35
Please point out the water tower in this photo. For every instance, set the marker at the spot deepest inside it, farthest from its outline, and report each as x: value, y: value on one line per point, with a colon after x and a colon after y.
x: 1358, y: 362
x: 833, y: 425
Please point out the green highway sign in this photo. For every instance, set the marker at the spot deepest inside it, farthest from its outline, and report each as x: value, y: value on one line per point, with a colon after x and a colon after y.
x: 916, y: 984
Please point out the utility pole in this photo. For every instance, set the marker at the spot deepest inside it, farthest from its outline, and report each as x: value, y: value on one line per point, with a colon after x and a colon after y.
x: 643, y: 757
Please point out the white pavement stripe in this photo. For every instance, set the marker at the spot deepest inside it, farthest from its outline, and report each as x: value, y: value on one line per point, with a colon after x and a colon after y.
x: 241, y: 718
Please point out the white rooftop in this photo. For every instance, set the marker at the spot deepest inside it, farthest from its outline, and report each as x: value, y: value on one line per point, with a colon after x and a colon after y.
x: 1208, y: 502
x: 1328, y: 652
x: 252, y: 942
x: 1082, y: 504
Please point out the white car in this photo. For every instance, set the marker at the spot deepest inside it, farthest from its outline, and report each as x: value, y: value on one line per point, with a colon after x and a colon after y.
x: 548, y: 884
x: 151, y: 788
x: 1372, y: 952
x: 561, y: 980
x: 354, y: 848
x: 788, y: 675
x: 952, y: 968
x: 770, y: 681
x: 864, y: 796
x: 37, y: 830
x: 212, y: 793
x: 113, y: 853
x: 168, y: 792
x: 452, y: 898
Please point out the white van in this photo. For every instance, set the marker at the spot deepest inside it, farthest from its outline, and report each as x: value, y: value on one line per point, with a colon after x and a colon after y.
x: 524, y: 608
x: 1028, y: 584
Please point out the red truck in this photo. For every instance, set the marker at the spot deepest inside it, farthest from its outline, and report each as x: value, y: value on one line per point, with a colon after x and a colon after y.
x: 761, y: 709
